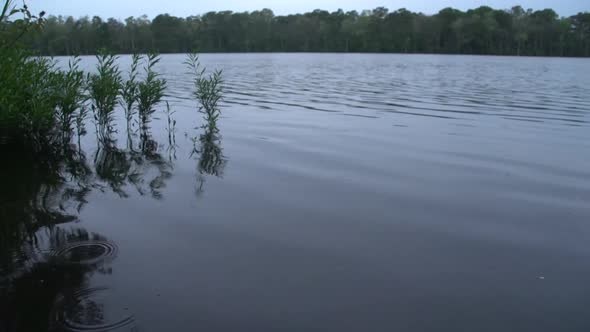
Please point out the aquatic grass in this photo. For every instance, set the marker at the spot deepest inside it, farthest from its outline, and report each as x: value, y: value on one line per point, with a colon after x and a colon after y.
x: 210, y: 94
x: 71, y: 98
x: 150, y: 91
x: 103, y: 90
x: 208, y: 90
x: 195, y: 69
x: 130, y: 90
x: 28, y: 97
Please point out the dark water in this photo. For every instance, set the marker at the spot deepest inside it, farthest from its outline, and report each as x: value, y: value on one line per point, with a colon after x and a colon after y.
x: 346, y: 193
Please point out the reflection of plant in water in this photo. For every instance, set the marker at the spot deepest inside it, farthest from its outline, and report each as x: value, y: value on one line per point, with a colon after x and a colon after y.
x: 79, y: 177
x: 119, y: 168
x: 41, y: 192
x: 171, y: 125
x: 211, y: 158
x: 46, y: 279
x: 112, y: 166
x: 34, y: 194
x: 48, y: 187
x: 150, y: 157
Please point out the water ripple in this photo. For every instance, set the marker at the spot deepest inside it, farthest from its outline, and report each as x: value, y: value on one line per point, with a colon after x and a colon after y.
x: 424, y: 85
x: 86, y: 310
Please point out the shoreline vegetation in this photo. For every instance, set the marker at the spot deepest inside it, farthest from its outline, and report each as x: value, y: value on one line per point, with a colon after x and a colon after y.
x: 480, y: 31
x: 43, y: 107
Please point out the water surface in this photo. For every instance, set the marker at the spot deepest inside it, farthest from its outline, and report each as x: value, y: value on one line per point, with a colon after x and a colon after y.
x: 345, y: 193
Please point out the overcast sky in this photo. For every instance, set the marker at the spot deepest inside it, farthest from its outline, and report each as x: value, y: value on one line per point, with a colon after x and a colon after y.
x: 124, y: 8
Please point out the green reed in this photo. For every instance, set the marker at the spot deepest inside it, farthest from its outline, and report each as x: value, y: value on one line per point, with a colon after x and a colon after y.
x: 130, y: 89
x: 208, y: 90
x: 103, y: 89
x: 40, y: 103
x: 71, y: 98
x: 150, y: 91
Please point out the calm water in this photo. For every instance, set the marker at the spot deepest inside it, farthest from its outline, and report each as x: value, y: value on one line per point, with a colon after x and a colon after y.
x: 346, y: 193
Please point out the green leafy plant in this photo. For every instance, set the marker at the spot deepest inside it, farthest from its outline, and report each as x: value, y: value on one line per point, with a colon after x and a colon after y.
x: 103, y: 89
x: 130, y: 89
x: 30, y: 87
x: 70, y: 98
x: 208, y: 90
x: 28, y: 96
x: 151, y: 91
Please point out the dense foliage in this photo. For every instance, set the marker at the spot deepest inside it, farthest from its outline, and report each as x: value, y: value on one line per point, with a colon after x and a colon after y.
x: 43, y: 107
x: 479, y: 31
x: 30, y: 88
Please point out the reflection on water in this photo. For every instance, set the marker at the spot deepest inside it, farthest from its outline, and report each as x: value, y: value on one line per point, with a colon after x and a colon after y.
x: 43, y: 290
x: 362, y: 193
x: 143, y: 168
x: 211, y: 161
x: 45, y: 260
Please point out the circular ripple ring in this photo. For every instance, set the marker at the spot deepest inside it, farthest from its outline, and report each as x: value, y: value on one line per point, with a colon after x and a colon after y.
x: 86, y: 253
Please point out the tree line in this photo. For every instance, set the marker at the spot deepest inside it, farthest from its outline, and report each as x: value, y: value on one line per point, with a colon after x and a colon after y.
x: 483, y: 30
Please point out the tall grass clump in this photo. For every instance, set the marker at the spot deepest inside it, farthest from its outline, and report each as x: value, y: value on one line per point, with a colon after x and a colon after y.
x: 103, y: 90
x: 28, y: 97
x: 130, y: 90
x: 208, y: 90
x: 150, y: 91
x: 70, y: 102
x: 27, y: 84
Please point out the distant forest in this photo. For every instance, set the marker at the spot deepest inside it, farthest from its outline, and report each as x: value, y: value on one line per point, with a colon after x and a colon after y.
x: 478, y: 31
